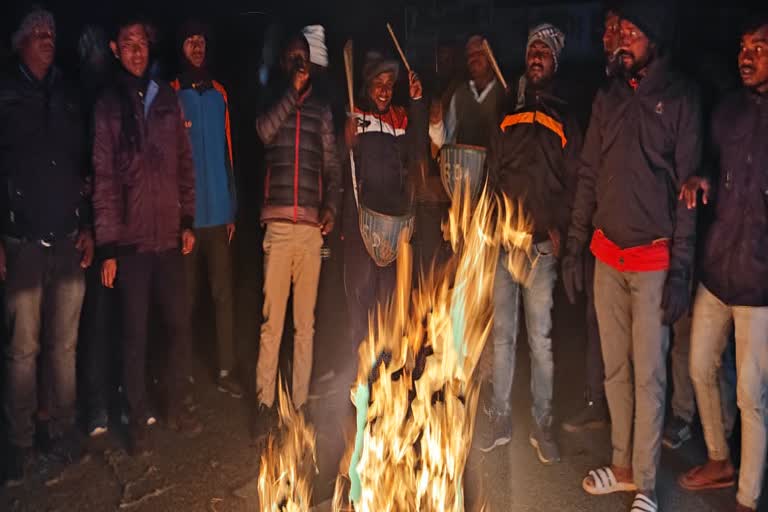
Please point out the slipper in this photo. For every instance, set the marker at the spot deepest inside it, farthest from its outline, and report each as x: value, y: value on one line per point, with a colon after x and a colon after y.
x: 692, y: 481
x: 605, y: 482
x: 643, y: 504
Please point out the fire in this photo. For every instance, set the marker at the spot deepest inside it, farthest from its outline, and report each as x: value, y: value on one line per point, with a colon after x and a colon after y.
x: 417, y: 389
x: 287, y: 465
x: 417, y: 393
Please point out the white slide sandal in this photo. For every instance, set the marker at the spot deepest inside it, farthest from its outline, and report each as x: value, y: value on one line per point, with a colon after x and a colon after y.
x: 603, y: 482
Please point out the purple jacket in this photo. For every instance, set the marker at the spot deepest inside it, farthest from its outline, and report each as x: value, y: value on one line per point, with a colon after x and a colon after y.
x: 734, y: 263
x: 144, y: 190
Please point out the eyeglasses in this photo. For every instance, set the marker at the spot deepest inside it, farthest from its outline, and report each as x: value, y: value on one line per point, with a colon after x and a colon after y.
x: 43, y: 33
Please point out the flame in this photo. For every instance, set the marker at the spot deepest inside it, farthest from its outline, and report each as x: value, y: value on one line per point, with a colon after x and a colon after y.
x: 287, y: 464
x: 417, y: 390
x: 416, y: 393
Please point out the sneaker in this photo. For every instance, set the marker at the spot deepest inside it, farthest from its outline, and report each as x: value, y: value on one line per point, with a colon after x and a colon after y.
x: 98, y: 424
x: 592, y: 417
x: 183, y: 422
x: 500, y: 433
x: 43, y: 440
x: 149, y: 420
x: 543, y: 441
x: 227, y: 384
x: 16, y: 465
x: 676, y: 433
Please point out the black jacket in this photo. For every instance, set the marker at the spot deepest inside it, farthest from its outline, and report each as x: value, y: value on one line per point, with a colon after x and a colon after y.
x: 303, y: 174
x: 44, y: 189
x: 640, y: 147
x: 734, y: 264
x: 534, y: 158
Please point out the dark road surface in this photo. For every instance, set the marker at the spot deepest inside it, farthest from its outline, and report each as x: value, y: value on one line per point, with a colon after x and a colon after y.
x: 203, y: 474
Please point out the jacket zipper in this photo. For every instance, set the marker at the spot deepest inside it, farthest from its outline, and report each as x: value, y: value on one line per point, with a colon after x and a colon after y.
x: 296, y: 167
x: 266, y: 185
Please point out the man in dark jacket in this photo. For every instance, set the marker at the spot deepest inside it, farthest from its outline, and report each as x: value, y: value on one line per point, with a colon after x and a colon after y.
x: 734, y: 277
x: 387, y: 142
x: 595, y: 413
x: 206, y: 116
x: 532, y: 161
x: 301, y: 199
x: 643, y: 142
x: 46, y: 238
x: 144, y: 206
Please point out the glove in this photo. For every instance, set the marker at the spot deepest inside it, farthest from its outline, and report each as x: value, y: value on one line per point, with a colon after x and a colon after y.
x: 676, y: 299
x: 573, y: 269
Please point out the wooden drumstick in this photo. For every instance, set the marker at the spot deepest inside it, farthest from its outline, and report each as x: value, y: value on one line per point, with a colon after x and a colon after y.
x: 399, y: 50
x: 494, y: 64
x: 348, y: 67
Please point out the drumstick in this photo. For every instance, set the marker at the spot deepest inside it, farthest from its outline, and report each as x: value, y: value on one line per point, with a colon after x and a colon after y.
x: 348, y: 67
x: 494, y: 64
x: 399, y: 50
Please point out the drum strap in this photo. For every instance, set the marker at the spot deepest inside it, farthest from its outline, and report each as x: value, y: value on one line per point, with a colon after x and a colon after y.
x: 354, y: 177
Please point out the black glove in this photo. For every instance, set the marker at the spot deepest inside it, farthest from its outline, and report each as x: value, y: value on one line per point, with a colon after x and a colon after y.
x: 676, y: 299
x: 573, y: 269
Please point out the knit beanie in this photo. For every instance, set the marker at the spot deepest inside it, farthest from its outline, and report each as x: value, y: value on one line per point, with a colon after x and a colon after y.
x: 551, y: 36
x: 655, y: 18
x: 315, y: 36
x: 35, y: 17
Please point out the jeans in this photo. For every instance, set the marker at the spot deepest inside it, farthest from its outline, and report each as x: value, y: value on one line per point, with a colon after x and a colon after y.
x: 365, y: 285
x: 212, y: 251
x: 291, y: 259
x: 44, y: 297
x: 429, y: 245
x: 711, y: 322
x: 156, y: 280
x: 635, y: 344
x: 537, y: 303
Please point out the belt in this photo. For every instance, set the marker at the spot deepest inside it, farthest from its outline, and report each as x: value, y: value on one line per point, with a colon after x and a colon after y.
x: 47, y: 241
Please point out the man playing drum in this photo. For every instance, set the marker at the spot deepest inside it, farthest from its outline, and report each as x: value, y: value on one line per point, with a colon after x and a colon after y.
x: 532, y: 160
x: 387, y: 141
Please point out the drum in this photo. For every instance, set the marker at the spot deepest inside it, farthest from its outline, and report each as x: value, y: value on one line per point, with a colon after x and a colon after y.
x: 460, y: 162
x: 381, y: 234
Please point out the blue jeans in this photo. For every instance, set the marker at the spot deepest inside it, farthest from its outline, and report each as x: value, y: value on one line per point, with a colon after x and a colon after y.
x: 44, y: 296
x: 537, y: 303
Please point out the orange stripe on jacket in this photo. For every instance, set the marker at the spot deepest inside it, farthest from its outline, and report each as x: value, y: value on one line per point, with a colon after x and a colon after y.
x: 536, y: 117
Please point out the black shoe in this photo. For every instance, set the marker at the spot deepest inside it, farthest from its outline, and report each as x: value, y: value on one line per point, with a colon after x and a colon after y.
x: 43, y: 440
x: 544, y: 443
x: 263, y: 421
x: 226, y: 384
x: 592, y: 417
x: 676, y: 433
x: 67, y: 449
x: 500, y: 433
x: 16, y: 465
x: 138, y: 439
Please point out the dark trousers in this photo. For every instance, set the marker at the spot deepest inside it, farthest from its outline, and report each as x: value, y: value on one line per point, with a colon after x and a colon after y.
x: 595, y: 370
x: 97, y: 338
x: 212, y: 253
x: 365, y: 284
x: 155, y: 280
x: 44, y: 296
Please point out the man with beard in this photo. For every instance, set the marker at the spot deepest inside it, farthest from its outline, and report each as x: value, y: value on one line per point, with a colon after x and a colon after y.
x: 144, y: 207
x: 642, y: 144
x: 45, y: 242
x: 206, y: 116
x: 387, y: 142
x: 734, y: 277
x: 476, y: 106
x: 532, y: 160
x: 595, y: 414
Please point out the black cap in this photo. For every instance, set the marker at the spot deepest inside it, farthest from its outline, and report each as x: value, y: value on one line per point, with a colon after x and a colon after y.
x: 655, y: 18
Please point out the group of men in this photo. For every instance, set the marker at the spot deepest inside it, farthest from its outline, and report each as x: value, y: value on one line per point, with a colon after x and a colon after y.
x: 612, y: 208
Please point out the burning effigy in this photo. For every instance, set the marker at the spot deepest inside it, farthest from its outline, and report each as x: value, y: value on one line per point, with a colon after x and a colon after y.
x: 417, y: 390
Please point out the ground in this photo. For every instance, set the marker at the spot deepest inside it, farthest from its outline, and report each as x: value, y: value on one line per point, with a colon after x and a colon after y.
x: 215, y: 471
